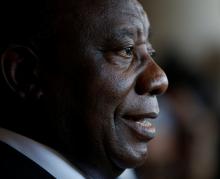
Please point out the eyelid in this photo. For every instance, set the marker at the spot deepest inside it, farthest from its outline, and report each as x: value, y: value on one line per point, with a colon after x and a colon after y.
x: 123, y: 52
x: 151, y: 51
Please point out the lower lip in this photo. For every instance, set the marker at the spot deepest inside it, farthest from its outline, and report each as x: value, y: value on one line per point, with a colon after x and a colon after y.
x: 142, y: 128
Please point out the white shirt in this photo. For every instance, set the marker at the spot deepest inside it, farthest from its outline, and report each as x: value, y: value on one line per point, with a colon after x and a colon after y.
x: 47, y: 158
x: 50, y: 160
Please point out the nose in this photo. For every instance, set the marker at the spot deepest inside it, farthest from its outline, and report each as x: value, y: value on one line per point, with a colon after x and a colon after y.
x: 152, y: 81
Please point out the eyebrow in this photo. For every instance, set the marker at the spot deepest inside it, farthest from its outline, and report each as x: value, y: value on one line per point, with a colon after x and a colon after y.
x: 126, y: 32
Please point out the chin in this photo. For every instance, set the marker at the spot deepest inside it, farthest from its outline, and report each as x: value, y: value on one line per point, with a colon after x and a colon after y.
x: 130, y: 160
x: 128, y: 155
x: 126, y: 148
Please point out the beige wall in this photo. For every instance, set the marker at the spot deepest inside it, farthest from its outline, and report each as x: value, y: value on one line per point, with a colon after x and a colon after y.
x: 191, y: 25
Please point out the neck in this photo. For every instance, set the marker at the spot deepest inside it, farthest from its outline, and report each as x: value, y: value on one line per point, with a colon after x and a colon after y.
x: 94, y: 164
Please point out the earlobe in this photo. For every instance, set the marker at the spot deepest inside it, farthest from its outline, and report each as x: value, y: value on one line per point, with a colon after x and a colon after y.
x: 19, y: 66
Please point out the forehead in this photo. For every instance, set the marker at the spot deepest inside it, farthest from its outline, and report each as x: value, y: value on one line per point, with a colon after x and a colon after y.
x: 123, y: 14
x: 98, y: 20
x: 127, y: 10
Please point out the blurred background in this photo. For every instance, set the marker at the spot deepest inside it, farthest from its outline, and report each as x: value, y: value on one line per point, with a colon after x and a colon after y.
x: 186, y: 36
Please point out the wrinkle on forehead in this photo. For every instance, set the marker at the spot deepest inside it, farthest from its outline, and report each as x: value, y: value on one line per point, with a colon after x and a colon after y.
x: 136, y: 11
x: 96, y: 14
x: 100, y: 8
x: 100, y: 5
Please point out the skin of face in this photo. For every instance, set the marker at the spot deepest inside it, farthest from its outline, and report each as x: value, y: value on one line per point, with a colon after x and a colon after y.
x: 104, y: 78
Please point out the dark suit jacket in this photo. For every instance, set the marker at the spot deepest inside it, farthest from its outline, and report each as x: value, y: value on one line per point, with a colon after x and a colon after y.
x: 14, y: 165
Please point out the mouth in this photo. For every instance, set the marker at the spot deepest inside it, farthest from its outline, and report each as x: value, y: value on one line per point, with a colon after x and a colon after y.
x: 141, y: 125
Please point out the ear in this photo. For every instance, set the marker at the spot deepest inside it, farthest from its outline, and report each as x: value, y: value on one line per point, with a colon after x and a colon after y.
x: 20, y: 70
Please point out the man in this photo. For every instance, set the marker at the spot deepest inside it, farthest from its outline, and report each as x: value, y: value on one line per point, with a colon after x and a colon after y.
x: 80, y: 80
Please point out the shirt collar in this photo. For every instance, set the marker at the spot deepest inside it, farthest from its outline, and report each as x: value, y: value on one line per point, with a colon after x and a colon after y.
x: 49, y: 159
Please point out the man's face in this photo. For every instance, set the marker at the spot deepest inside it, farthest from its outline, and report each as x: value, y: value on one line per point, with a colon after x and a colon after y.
x: 114, y: 97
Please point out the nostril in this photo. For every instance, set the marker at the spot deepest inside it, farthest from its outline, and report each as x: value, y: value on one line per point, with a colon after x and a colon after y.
x: 155, y: 92
x: 140, y: 89
x: 142, y: 84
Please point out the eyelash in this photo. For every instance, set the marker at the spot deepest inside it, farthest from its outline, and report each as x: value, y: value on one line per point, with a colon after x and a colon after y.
x: 151, y: 52
x: 127, y: 52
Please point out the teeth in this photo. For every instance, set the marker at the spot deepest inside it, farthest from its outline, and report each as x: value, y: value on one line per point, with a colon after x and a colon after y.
x: 145, y: 123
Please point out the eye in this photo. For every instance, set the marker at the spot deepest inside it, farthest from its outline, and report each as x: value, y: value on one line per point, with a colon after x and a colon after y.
x: 152, y: 52
x: 127, y: 52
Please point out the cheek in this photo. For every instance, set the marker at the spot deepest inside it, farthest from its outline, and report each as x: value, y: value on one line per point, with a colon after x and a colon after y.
x: 107, y: 90
x: 107, y: 87
x: 112, y: 85
x: 107, y: 81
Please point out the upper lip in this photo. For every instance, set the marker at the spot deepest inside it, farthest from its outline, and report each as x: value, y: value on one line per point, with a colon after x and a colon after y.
x: 138, y: 117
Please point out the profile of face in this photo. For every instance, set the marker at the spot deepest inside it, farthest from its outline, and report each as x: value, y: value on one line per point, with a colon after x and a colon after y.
x: 115, y: 88
x: 102, y: 93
